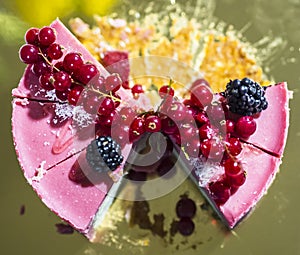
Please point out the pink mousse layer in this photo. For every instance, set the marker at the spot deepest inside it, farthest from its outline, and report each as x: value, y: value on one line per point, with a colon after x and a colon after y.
x: 272, y: 124
x: 29, y: 85
x: 41, y: 138
x: 74, y: 203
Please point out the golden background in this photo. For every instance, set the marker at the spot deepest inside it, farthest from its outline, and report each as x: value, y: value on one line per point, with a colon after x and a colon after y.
x: 272, y: 229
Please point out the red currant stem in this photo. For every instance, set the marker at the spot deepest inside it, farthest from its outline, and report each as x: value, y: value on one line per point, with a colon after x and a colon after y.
x: 106, y: 95
x: 166, y: 95
x: 47, y: 61
x: 229, y: 154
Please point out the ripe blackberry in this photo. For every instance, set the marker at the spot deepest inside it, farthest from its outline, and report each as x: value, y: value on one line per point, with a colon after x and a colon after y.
x: 104, y: 154
x: 245, y: 97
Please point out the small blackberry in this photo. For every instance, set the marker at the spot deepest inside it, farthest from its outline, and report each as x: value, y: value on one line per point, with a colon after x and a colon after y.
x: 245, y: 97
x: 104, y: 154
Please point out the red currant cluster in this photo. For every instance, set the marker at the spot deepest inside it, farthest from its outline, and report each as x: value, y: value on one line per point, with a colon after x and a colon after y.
x: 185, y: 210
x: 68, y: 76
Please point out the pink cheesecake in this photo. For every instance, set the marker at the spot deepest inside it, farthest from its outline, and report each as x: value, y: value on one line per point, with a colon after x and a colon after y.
x: 52, y: 153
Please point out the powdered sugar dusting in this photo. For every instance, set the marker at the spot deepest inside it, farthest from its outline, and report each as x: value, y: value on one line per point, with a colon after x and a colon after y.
x: 64, y: 111
x: 81, y: 117
x: 205, y: 171
x: 50, y: 94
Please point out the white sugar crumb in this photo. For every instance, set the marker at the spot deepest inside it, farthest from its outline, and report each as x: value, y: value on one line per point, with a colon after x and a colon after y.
x: 64, y: 111
x: 50, y: 94
x: 205, y: 171
x: 81, y: 118
x: 39, y: 174
x: 46, y: 143
x: 23, y: 101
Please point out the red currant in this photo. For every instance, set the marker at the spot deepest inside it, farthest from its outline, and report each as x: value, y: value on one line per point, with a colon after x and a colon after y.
x: 245, y: 126
x: 202, y: 118
x: 200, y: 82
x: 220, y: 192
x: 230, y: 126
x: 106, y: 107
x: 107, y: 120
x: 86, y: 72
x: 40, y: 68
x: 152, y: 123
x: 201, y: 95
x: 166, y: 90
x: 31, y: 36
x: 234, y: 146
x: 232, y: 167
x: 72, y: 61
x: 46, y: 36
x: 168, y: 126
x: 137, y: 89
x: 137, y: 128
x: 29, y: 54
x: 54, y: 51
x: 74, y: 94
x: 177, y: 111
x: 62, y: 95
x: 62, y: 81
x: 212, y: 149
x: 237, y: 180
x: 46, y: 81
x: 91, y: 103
x: 113, y: 83
x: 206, y: 131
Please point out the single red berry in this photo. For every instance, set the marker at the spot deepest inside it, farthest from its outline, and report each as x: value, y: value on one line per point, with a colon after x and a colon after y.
x: 74, y: 94
x: 207, y: 131
x: 108, y: 120
x: 29, y: 54
x: 152, y: 123
x: 212, y: 149
x: 166, y: 90
x: 62, y: 81
x: 54, y: 51
x: 201, y: 95
x: 220, y: 192
x: 192, y: 147
x: 86, y: 73
x: 62, y: 95
x: 137, y: 128
x: 76, y: 174
x: 232, y: 167
x: 137, y: 89
x: 234, y: 146
x: 107, y: 106
x: 113, y: 82
x: 177, y: 111
x: 230, y: 126
x: 91, y: 103
x: 245, y: 126
x: 46, y: 36
x: 59, y: 67
x: 46, y: 81
x: 169, y: 126
x: 237, y: 180
x: 40, y: 68
x: 186, y: 226
x: 31, y: 36
x: 192, y: 111
x: 202, y: 118
x: 126, y: 85
x: 72, y: 61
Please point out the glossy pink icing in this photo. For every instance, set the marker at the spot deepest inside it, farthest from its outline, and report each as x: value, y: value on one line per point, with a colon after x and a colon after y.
x: 272, y: 124
x: 29, y: 85
x: 37, y: 131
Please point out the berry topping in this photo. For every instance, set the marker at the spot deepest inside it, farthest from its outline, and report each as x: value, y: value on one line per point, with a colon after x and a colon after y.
x: 201, y: 95
x: 137, y: 89
x: 245, y: 97
x: 29, y: 54
x: 31, y: 36
x: 152, y: 123
x: 86, y: 72
x: 166, y: 90
x: 72, y: 61
x: 245, y: 126
x: 62, y: 81
x: 46, y: 81
x: 74, y: 94
x: 220, y: 192
x: 104, y: 154
x: 46, y: 36
x: 54, y: 51
x: 137, y: 128
x: 186, y: 207
x: 234, y: 146
x: 113, y: 82
x: 107, y: 106
x: 40, y: 68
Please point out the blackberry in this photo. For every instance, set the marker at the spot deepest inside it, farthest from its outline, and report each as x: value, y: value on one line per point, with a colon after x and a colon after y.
x: 245, y: 97
x: 104, y: 154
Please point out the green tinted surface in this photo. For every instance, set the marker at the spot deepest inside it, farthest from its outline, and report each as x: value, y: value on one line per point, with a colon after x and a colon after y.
x: 271, y: 229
